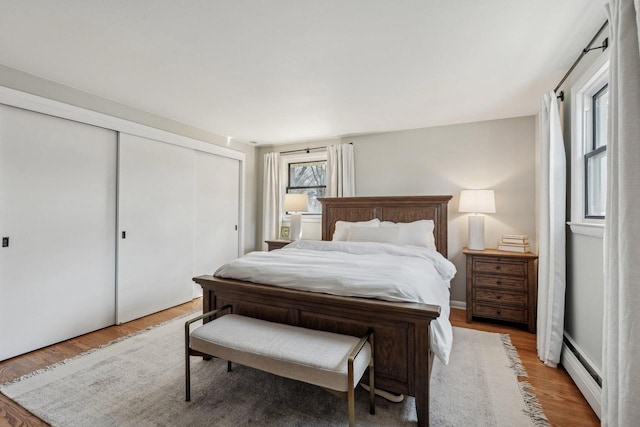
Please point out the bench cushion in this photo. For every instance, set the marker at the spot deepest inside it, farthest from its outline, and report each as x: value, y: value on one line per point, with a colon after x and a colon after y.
x: 315, y: 357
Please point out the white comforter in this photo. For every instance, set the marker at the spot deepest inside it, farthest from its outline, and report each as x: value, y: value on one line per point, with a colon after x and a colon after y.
x: 372, y: 270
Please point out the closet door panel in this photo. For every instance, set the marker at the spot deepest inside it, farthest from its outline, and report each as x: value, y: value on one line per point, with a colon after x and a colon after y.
x: 216, y: 213
x: 58, y: 208
x: 156, y: 213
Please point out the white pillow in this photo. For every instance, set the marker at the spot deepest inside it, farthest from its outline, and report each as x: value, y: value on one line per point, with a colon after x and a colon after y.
x: 369, y: 234
x: 341, y: 232
x: 417, y: 233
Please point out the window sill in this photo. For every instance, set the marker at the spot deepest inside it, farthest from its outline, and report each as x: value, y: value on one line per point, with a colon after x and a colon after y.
x: 587, y: 229
x: 305, y: 218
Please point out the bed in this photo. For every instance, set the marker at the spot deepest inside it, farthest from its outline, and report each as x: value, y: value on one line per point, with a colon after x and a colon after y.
x: 403, y: 356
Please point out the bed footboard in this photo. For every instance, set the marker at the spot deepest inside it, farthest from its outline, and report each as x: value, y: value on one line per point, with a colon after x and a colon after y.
x: 403, y: 360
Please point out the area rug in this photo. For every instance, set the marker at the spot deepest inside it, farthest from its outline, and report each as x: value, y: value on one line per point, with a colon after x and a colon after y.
x: 139, y: 381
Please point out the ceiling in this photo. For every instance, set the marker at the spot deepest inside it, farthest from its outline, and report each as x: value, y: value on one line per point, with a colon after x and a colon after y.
x: 295, y: 70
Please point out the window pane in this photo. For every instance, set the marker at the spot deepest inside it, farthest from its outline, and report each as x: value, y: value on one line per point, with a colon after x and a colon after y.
x: 307, y: 174
x: 315, y: 207
x: 596, y: 184
x: 600, y: 114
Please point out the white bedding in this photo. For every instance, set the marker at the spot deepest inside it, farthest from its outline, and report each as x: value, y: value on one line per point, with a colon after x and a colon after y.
x: 363, y: 269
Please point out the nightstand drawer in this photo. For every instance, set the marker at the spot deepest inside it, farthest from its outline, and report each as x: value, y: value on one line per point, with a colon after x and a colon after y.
x: 498, y: 266
x: 503, y: 282
x: 503, y: 313
x: 497, y: 297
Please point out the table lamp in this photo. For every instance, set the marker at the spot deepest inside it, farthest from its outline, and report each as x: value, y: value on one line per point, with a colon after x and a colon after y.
x: 295, y: 204
x: 477, y: 202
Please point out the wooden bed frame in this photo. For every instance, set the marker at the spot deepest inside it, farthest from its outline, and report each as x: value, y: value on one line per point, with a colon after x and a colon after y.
x: 403, y: 359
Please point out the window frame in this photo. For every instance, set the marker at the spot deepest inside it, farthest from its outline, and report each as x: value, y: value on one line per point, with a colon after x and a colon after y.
x: 591, y: 83
x: 592, y: 151
x: 285, y: 161
x: 289, y: 186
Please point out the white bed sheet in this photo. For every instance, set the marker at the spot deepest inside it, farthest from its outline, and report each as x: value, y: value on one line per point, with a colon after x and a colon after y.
x: 362, y: 269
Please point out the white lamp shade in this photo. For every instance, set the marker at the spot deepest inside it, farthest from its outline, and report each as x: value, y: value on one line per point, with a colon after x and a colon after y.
x: 477, y: 201
x: 296, y: 203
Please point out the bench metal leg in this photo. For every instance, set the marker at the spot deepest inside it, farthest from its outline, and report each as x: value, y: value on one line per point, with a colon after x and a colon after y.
x: 187, y: 367
x: 372, y: 386
x: 229, y: 367
x: 350, y: 380
x: 352, y: 404
x: 187, y: 361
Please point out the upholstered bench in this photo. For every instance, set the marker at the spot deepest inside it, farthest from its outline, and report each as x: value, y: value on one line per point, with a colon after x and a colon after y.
x: 333, y: 361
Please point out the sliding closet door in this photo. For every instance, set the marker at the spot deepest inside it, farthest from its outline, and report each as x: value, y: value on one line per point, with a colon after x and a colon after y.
x: 155, y: 214
x: 216, y: 211
x: 58, y: 211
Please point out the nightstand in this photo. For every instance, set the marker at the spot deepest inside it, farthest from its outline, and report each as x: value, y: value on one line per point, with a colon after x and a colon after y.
x: 276, y: 244
x: 502, y: 285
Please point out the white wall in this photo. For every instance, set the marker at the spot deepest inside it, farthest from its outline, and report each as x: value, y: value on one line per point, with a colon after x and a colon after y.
x: 496, y: 154
x: 28, y: 83
x: 585, y: 293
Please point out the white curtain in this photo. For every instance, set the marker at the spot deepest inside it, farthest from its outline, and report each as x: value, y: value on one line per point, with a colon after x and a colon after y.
x: 271, y: 197
x: 621, y: 347
x: 341, y: 179
x: 551, y: 237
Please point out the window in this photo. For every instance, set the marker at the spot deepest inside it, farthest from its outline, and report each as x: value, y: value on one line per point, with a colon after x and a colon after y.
x: 308, y: 178
x: 589, y: 118
x: 305, y: 173
x: 595, y: 158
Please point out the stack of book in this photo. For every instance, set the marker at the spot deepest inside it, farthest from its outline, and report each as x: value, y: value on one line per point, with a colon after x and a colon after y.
x: 514, y: 243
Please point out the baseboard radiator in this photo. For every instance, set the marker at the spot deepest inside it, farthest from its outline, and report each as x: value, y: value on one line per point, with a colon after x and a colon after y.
x: 583, y: 372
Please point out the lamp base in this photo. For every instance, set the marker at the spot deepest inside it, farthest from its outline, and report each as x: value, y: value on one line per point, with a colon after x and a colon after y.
x: 296, y: 227
x: 476, y: 232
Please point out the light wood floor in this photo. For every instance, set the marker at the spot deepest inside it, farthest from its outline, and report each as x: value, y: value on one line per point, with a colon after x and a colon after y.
x: 563, y: 403
x: 561, y: 400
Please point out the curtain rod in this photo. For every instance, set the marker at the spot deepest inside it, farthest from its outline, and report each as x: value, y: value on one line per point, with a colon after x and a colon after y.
x: 586, y: 50
x: 306, y: 150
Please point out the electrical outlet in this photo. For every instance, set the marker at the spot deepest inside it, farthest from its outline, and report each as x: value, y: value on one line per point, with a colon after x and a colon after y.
x: 5, y: 242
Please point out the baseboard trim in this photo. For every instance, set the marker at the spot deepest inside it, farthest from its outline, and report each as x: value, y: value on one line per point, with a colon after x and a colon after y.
x: 585, y: 382
x: 458, y: 304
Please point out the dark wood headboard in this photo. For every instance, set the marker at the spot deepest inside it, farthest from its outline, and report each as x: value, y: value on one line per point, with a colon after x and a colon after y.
x: 392, y: 208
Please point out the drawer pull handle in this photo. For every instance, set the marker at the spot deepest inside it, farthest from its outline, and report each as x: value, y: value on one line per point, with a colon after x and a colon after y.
x: 499, y: 312
x: 497, y: 267
x: 499, y: 282
x: 498, y: 296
